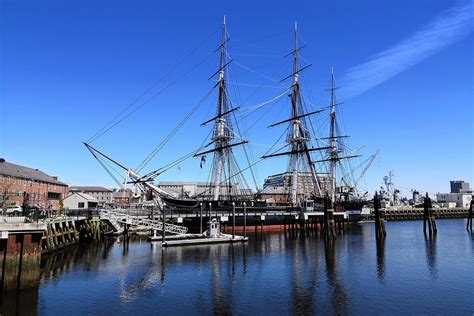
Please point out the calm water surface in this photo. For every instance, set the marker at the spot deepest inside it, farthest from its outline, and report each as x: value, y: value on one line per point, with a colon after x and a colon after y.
x: 275, y: 273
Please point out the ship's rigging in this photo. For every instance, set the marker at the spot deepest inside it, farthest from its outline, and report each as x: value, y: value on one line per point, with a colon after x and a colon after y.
x: 227, y: 181
x: 298, y: 138
x: 224, y: 164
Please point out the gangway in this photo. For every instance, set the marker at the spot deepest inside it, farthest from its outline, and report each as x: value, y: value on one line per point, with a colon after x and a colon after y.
x: 115, y: 217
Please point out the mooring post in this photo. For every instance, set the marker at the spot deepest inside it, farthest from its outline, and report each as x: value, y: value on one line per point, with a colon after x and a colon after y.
x: 245, y: 219
x: 233, y: 220
x: 428, y: 216
x: 210, y: 210
x: 153, y: 231
x: 379, y: 219
x: 163, y: 224
x: 329, y: 224
x: 425, y: 215
x: 469, y: 216
x: 200, y: 218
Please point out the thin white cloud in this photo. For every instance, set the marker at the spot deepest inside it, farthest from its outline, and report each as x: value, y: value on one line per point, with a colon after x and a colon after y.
x: 450, y: 27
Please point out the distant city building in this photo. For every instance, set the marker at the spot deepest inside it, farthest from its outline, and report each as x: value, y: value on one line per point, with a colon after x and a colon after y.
x: 461, y: 199
x: 458, y: 186
x: 103, y: 195
x: 277, y: 188
x: 79, y: 200
x: 20, y: 185
x: 461, y: 195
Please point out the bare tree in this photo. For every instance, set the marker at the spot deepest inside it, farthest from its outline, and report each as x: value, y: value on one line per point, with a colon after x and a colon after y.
x: 5, y: 195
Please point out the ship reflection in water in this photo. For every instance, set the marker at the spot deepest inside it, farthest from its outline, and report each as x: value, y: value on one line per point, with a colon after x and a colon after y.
x: 283, y: 273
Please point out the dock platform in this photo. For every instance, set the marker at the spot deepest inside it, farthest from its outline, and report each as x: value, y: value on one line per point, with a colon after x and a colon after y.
x: 197, y: 239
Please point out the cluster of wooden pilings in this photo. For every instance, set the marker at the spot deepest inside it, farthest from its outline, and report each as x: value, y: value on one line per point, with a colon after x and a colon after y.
x: 429, y: 221
x: 380, y: 231
x: 328, y: 224
x: 429, y: 218
x: 64, y: 232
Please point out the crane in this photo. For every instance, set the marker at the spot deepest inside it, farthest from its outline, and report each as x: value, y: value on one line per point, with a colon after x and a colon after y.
x: 369, y: 163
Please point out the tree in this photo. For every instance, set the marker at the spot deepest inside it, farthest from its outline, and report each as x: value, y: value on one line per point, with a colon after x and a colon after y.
x: 61, y: 205
x: 26, y: 201
x: 5, y: 195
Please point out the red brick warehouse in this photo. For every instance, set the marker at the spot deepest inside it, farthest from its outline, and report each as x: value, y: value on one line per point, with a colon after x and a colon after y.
x: 18, y: 183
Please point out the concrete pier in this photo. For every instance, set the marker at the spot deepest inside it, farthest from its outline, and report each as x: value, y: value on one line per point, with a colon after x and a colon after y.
x: 22, y: 244
x: 20, y: 254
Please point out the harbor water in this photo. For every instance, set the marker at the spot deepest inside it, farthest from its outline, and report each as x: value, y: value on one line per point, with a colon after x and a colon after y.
x: 274, y: 273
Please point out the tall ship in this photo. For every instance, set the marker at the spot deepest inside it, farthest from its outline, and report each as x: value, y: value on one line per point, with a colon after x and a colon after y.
x: 314, y: 162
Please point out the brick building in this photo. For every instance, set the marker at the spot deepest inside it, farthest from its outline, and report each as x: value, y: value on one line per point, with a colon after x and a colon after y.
x: 277, y: 188
x: 20, y: 184
x: 122, y: 197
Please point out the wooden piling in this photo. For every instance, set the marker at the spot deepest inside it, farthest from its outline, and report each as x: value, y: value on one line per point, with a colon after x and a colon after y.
x: 163, y: 233
x: 469, y: 216
x: 153, y: 232
x: 380, y: 231
x: 329, y: 225
x: 245, y: 219
x: 428, y: 217
x: 200, y: 218
x: 233, y: 220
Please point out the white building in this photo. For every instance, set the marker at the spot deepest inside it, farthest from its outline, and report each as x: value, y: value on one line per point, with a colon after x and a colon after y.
x: 103, y: 195
x: 461, y: 199
x: 79, y: 200
x: 461, y: 194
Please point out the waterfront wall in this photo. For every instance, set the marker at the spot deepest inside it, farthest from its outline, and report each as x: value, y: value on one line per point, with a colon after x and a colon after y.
x: 417, y: 213
x: 20, y: 259
x: 23, y: 244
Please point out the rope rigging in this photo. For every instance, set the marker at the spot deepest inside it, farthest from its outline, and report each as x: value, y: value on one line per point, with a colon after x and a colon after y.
x: 117, y: 119
x: 173, y: 132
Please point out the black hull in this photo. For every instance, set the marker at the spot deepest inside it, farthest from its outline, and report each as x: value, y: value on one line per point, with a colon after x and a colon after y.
x: 196, y: 204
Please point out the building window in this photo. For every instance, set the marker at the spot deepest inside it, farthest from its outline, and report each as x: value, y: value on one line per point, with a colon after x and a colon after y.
x: 54, y: 195
x: 80, y: 205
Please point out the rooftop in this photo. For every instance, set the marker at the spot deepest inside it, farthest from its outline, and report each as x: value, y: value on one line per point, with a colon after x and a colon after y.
x: 14, y: 170
x: 86, y: 188
x: 83, y: 195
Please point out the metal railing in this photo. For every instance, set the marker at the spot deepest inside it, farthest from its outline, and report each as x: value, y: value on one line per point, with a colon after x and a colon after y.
x: 12, y: 219
x: 123, y: 218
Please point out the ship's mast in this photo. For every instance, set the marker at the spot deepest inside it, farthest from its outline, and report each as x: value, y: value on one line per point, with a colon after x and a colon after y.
x: 333, y: 151
x: 298, y: 139
x: 224, y: 164
x: 295, y: 139
x: 220, y: 137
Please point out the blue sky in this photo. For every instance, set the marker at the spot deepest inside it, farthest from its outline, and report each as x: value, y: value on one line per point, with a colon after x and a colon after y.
x: 405, y: 71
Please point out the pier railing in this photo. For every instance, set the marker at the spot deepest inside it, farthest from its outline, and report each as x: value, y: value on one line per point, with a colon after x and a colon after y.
x: 115, y: 216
